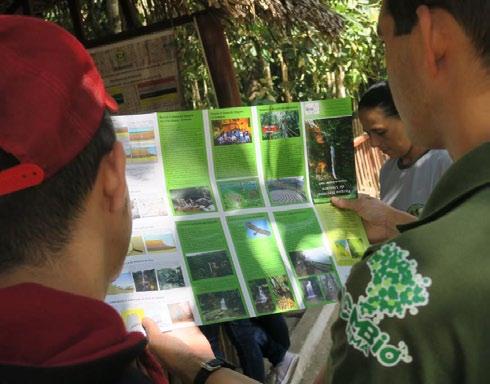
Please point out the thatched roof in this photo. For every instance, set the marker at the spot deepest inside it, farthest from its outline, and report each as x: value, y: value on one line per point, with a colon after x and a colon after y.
x: 299, y: 13
x: 312, y: 13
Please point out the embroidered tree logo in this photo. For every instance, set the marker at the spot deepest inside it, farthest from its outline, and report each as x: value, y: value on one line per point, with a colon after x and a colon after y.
x: 395, y: 287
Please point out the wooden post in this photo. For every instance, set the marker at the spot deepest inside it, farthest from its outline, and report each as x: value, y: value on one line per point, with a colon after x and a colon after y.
x: 218, y: 59
x: 76, y: 19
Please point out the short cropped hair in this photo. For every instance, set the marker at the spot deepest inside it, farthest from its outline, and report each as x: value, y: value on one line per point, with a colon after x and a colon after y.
x: 37, y: 222
x: 379, y: 96
x: 472, y: 15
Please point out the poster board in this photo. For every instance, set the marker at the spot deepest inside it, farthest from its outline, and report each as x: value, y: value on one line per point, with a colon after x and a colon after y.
x: 141, y: 73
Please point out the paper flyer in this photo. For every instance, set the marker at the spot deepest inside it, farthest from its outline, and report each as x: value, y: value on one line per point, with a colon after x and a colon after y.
x: 231, y: 212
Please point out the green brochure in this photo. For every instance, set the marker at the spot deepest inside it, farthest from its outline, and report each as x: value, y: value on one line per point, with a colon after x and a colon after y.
x: 231, y: 212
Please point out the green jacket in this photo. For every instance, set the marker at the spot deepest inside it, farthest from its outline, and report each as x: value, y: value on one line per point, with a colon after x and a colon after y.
x: 416, y: 309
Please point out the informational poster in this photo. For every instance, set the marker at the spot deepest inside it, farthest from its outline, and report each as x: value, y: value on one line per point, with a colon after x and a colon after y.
x: 231, y: 212
x: 141, y: 73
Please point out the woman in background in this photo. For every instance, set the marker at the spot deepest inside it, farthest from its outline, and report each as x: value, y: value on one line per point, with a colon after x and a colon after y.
x: 410, y: 174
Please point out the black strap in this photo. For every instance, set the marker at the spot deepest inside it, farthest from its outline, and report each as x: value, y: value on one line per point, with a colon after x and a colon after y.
x: 204, y: 373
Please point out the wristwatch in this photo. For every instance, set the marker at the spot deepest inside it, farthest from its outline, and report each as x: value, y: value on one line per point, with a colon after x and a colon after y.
x: 209, y: 367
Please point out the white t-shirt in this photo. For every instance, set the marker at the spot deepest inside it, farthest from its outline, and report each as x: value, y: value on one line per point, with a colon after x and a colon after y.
x: 408, y: 189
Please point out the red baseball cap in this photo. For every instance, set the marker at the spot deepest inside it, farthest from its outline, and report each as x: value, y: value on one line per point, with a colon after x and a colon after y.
x: 52, y: 99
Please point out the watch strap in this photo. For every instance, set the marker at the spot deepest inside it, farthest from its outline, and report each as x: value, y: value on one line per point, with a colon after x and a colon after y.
x: 209, y: 367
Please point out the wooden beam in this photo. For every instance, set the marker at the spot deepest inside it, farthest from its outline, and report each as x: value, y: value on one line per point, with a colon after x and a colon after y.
x: 12, y: 8
x: 76, y: 19
x: 218, y: 57
x: 156, y: 27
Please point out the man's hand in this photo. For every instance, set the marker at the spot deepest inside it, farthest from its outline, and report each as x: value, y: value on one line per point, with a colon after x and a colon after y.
x: 183, y: 350
x: 180, y: 351
x: 379, y: 219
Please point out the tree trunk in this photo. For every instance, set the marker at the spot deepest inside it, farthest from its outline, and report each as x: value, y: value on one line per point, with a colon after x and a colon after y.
x: 331, y: 82
x: 114, y: 16
x: 205, y: 91
x: 196, y: 95
x: 285, y: 78
x: 130, y: 14
x: 266, y: 71
x: 339, y: 83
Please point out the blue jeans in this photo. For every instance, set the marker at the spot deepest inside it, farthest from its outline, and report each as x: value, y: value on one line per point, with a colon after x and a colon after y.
x: 253, y: 339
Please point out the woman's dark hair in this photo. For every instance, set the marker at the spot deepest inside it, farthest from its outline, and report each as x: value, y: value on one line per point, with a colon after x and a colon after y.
x: 379, y: 96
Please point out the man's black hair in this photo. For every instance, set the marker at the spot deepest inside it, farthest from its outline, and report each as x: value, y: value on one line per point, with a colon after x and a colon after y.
x: 379, y: 96
x: 472, y: 15
x: 37, y: 222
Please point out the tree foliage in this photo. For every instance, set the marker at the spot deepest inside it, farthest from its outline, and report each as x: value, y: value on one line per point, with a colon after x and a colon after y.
x: 273, y: 64
x: 298, y: 65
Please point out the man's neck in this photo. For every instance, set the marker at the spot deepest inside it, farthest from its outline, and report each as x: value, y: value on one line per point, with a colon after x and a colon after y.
x: 474, y: 129
x: 61, y: 275
x: 466, y: 119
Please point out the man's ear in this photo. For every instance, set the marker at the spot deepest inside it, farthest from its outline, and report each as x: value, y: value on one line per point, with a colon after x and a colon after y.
x: 113, y: 177
x: 433, y: 38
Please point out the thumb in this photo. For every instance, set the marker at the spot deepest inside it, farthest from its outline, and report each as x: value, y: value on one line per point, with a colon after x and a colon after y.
x: 151, y: 328
x: 344, y: 203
